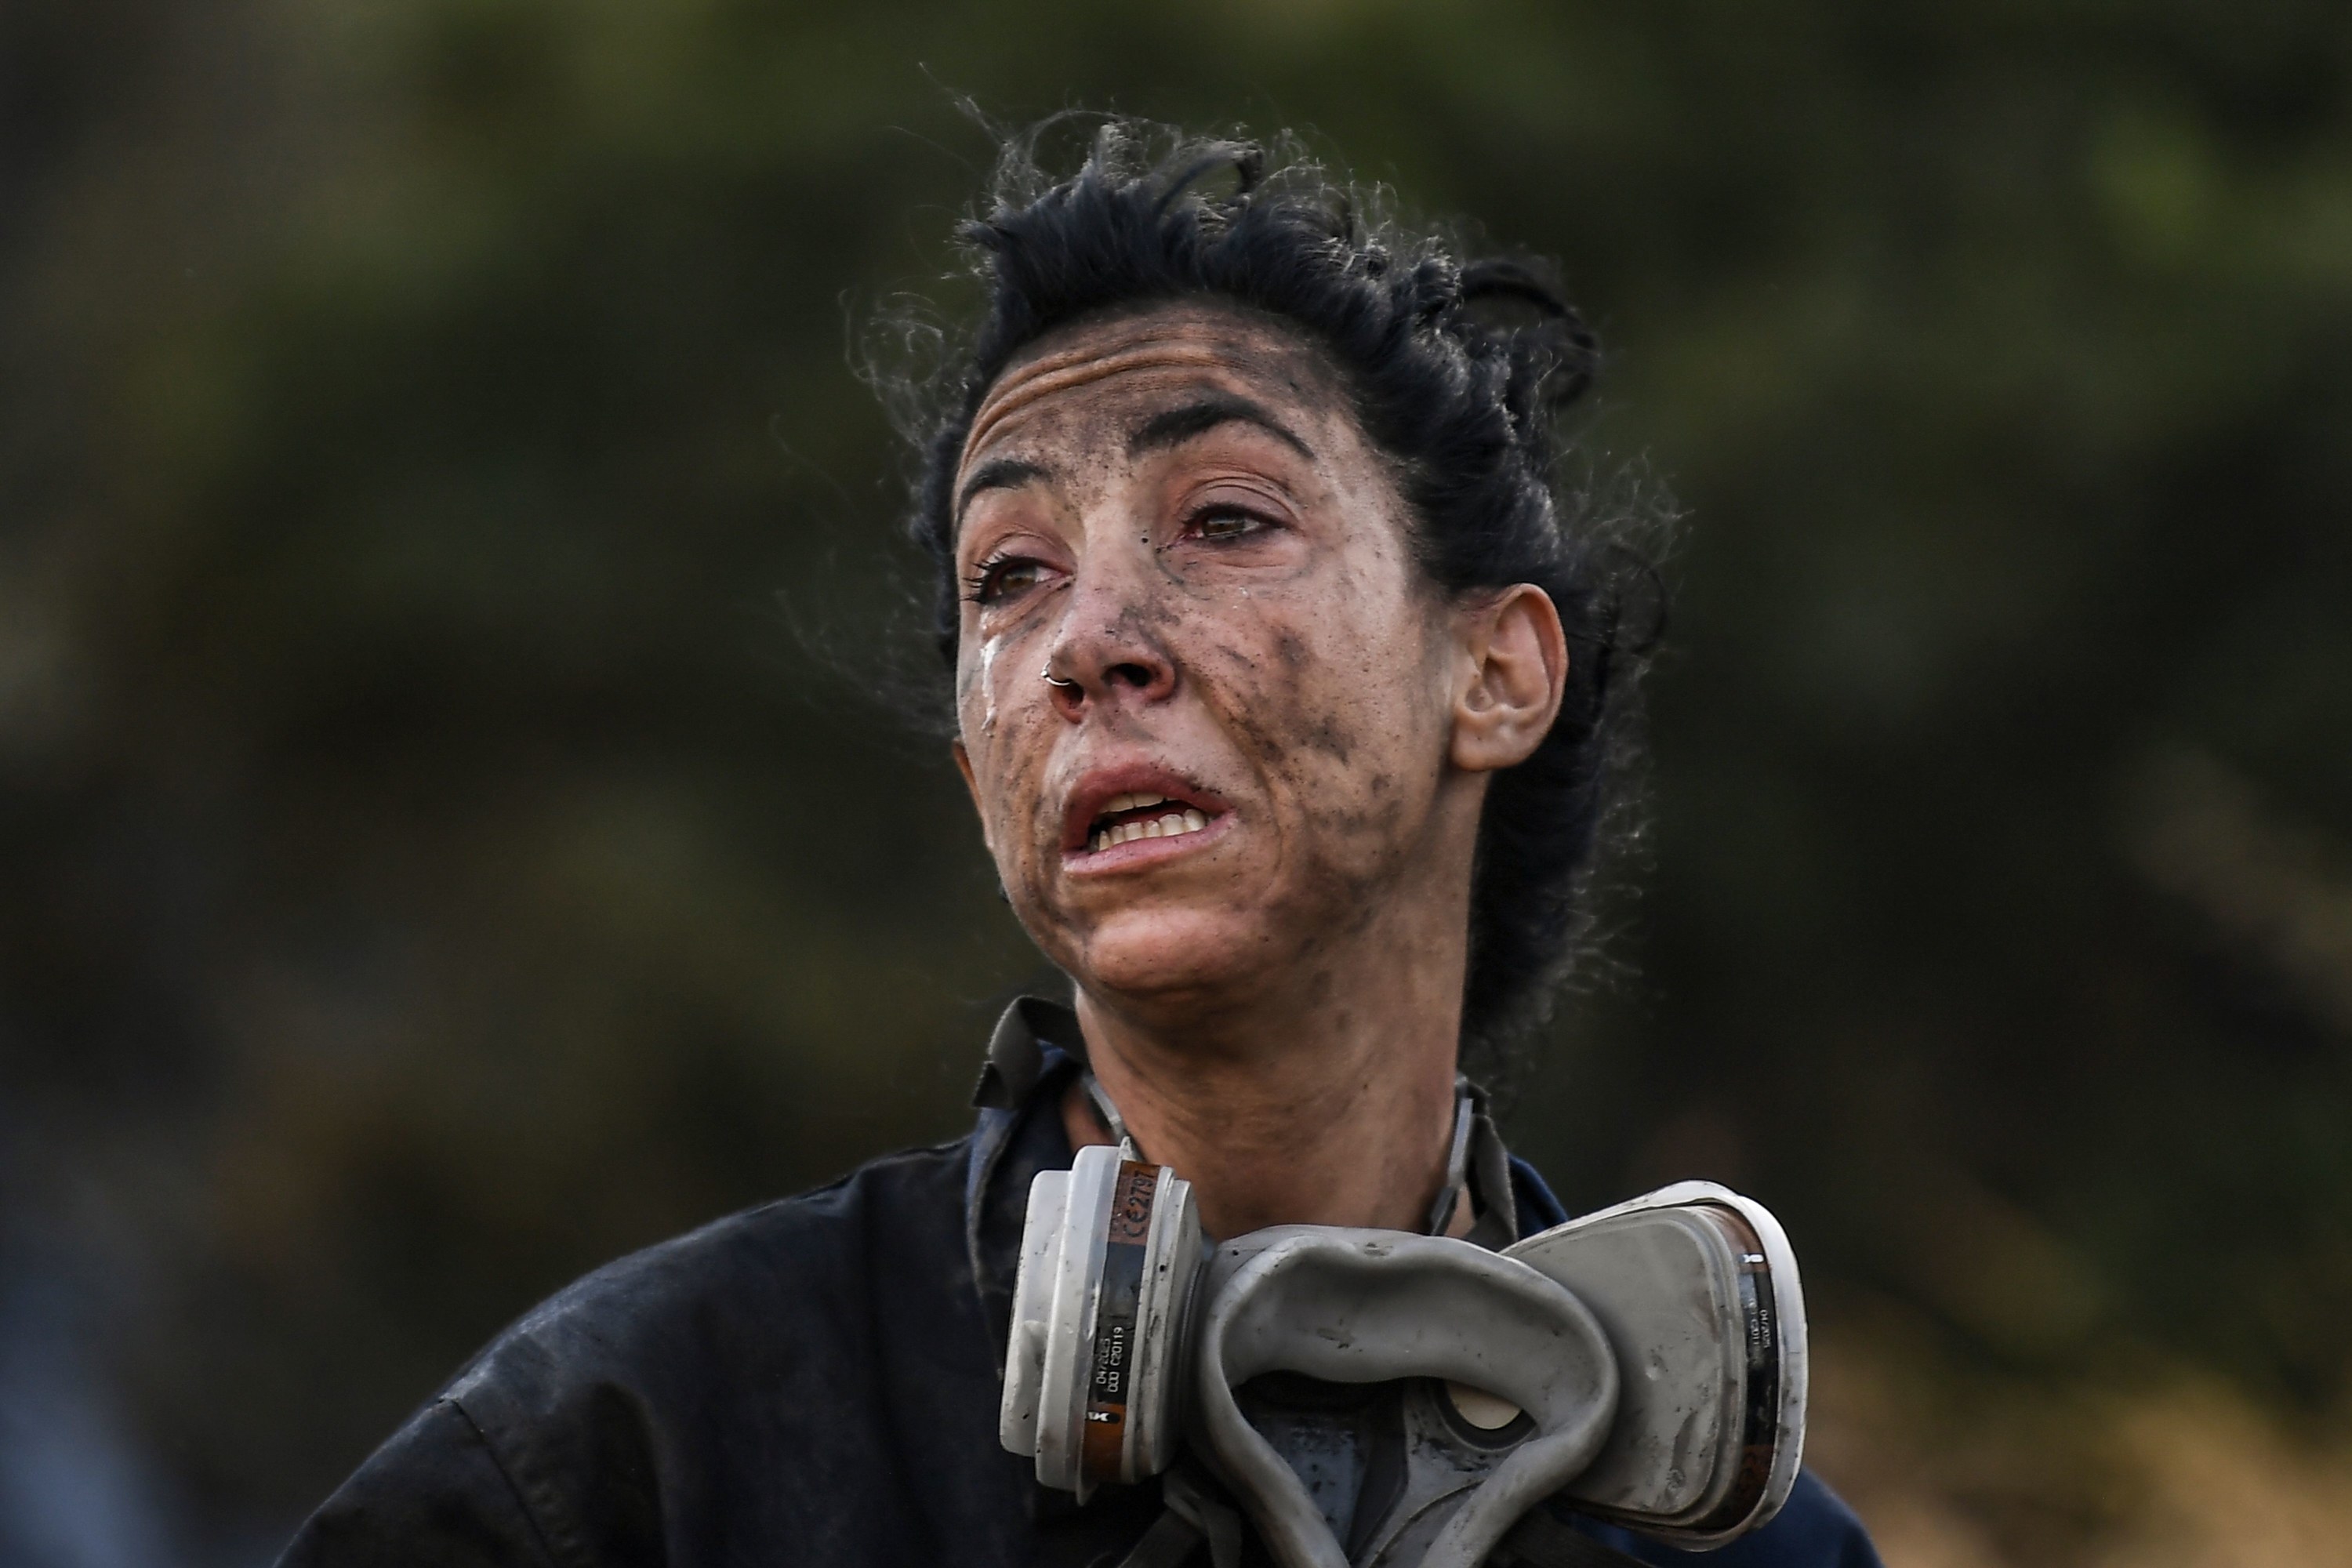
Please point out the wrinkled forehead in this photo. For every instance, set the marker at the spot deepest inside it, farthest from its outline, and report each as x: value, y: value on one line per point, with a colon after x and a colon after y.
x: 1138, y: 356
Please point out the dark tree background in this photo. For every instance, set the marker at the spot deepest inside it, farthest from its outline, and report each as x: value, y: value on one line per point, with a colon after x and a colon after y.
x: 432, y: 861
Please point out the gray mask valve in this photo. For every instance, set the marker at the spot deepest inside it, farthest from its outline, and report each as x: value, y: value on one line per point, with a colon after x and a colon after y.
x: 1646, y: 1362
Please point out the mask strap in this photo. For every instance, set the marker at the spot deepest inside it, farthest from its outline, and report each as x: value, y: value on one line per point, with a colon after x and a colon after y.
x: 1457, y: 1165
x: 1128, y: 1149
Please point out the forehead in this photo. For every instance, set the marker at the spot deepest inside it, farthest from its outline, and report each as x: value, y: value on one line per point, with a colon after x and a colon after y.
x: 1146, y: 357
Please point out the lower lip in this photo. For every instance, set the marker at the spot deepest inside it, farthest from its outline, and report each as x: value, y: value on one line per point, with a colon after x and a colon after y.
x: 1137, y: 853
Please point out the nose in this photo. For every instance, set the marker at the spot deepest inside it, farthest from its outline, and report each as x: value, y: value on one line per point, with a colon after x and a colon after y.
x: 1106, y: 650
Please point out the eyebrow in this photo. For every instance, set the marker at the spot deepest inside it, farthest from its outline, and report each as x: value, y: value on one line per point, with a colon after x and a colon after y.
x: 1176, y: 425
x: 996, y: 474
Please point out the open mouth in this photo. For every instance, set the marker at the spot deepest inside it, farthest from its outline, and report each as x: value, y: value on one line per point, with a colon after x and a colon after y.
x: 1126, y: 817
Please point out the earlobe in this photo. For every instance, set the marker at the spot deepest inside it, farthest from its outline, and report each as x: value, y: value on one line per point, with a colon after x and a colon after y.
x: 1518, y: 676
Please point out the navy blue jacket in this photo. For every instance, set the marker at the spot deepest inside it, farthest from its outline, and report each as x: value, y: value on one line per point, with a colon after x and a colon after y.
x: 812, y: 1381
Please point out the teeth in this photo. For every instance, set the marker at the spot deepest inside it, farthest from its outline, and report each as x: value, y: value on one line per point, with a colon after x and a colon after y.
x: 1172, y: 824
x: 1120, y: 803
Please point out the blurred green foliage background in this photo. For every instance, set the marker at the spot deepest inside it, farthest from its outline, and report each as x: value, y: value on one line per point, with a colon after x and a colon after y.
x: 432, y: 862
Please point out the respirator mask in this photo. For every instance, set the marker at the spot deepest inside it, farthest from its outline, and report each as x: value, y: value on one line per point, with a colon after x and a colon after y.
x: 1377, y: 1397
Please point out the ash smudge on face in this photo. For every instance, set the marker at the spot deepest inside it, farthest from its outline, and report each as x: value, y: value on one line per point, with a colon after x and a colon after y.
x: 1291, y: 650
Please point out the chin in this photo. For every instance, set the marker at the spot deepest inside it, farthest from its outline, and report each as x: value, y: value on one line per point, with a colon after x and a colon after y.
x: 1159, y: 957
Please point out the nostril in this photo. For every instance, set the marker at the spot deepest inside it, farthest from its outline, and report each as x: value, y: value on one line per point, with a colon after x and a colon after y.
x: 1133, y: 675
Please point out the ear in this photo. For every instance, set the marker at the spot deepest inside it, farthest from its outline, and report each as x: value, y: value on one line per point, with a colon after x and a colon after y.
x: 1514, y: 673
x: 971, y: 785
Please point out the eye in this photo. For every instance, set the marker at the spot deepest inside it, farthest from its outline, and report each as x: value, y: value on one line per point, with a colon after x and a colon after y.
x: 1004, y: 578
x: 1222, y: 523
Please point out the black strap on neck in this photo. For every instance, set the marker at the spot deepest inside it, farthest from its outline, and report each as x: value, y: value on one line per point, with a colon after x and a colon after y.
x: 1458, y: 1164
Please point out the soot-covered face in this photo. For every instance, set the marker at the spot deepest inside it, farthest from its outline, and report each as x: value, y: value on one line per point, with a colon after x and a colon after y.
x: 1246, y: 741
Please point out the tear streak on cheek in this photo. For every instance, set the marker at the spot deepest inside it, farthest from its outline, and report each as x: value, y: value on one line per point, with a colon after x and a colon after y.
x: 988, y: 652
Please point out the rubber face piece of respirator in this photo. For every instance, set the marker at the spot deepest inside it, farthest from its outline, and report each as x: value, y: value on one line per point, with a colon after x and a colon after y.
x: 1648, y: 1363
x: 1347, y: 1306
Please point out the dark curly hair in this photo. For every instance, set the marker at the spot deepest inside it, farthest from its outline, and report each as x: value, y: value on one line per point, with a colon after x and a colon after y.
x: 1457, y: 371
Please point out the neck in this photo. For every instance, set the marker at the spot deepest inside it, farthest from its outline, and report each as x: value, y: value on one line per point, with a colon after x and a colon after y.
x: 1327, y: 1102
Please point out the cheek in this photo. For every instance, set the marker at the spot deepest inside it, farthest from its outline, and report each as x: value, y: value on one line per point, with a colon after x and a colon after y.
x: 980, y: 721
x: 1344, y: 713
x: 976, y: 691
x: 1007, y: 733
x: 1300, y: 700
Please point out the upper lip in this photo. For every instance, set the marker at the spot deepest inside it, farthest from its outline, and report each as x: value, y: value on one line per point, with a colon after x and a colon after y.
x: 1098, y: 788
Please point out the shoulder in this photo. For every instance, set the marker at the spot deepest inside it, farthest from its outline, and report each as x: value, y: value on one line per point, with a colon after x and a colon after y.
x: 648, y: 1397
x: 1814, y: 1529
x: 720, y: 1293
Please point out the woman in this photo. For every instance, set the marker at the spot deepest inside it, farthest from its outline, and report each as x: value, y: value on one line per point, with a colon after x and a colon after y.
x: 1288, y: 698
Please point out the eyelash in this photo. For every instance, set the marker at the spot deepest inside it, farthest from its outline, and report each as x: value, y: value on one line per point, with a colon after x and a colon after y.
x: 981, y: 586
x: 1258, y: 520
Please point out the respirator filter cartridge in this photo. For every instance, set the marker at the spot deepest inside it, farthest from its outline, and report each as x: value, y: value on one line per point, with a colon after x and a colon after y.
x: 1108, y: 1260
